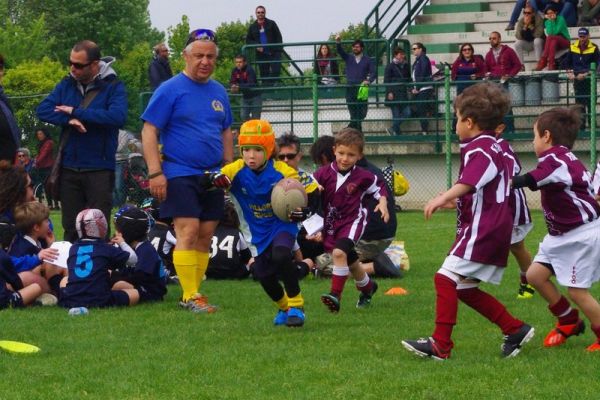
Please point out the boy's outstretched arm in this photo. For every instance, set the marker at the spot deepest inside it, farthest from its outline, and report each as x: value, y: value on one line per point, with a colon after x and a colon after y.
x: 383, y: 209
x: 446, y: 199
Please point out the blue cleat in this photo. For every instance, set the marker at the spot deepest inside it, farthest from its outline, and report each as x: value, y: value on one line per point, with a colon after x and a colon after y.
x: 295, y: 317
x: 280, y: 318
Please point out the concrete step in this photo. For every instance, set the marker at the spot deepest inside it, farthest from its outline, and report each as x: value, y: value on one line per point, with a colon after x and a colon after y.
x: 441, y: 28
x: 455, y: 8
x: 490, y: 2
x: 475, y: 17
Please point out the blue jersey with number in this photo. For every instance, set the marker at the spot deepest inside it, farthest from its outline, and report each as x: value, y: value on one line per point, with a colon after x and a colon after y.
x: 89, y: 263
x: 191, y: 118
x: 251, y: 191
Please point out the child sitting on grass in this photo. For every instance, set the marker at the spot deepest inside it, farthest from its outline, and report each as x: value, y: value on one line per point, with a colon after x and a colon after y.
x: 345, y: 216
x: 13, y: 294
x: 485, y: 223
x: 148, y: 276
x: 33, y: 233
x: 162, y: 237
x: 271, y: 240
x: 90, y: 259
x: 571, y: 249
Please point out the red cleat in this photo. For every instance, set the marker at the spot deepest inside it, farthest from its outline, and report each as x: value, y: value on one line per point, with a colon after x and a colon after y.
x: 559, y: 335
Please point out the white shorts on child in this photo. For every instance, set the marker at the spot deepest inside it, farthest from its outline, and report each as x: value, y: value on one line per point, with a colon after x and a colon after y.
x: 519, y: 232
x: 574, y: 256
x: 470, y: 269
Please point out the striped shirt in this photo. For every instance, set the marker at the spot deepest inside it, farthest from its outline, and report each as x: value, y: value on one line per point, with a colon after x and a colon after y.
x: 484, y: 222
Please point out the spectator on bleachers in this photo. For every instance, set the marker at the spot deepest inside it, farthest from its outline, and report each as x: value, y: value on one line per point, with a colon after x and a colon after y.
x: 422, y: 94
x: 243, y: 79
x: 326, y: 66
x: 529, y: 34
x: 589, y: 13
x: 566, y: 8
x: 396, y: 74
x: 467, y: 68
x: 502, y: 62
x: 579, y: 59
x: 360, y: 71
x: 557, y: 38
x: 266, y: 31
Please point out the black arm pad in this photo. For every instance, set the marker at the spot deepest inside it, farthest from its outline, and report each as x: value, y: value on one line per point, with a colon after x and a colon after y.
x: 526, y: 180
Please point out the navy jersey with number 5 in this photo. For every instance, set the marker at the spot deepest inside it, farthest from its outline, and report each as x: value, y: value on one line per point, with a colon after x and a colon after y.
x: 89, y: 278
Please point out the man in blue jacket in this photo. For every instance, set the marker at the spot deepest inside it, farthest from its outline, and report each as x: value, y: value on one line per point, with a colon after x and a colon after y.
x: 88, y: 157
x: 360, y: 70
x: 579, y: 60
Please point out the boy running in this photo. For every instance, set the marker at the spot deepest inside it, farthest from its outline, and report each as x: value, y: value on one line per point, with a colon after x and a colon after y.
x: 483, y: 233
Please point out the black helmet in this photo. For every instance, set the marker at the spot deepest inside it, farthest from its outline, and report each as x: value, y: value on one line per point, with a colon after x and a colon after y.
x: 133, y: 224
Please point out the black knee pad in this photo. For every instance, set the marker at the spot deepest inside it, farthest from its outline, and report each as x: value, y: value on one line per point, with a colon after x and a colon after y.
x: 347, y: 246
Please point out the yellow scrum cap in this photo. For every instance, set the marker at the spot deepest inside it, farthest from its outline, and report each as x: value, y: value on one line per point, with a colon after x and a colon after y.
x: 257, y: 133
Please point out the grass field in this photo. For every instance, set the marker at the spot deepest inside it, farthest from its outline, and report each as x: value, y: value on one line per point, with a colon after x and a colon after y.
x: 160, y: 352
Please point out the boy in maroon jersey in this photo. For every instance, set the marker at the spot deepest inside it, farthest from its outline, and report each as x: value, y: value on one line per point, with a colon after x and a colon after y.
x: 571, y: 249
x: 522, y: 223
x: 344, y: 187
x: 484, y: 227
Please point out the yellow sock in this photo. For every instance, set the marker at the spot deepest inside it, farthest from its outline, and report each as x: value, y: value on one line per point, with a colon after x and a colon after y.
x: 282, y: 303
x: 186, y: 262
x: 297, y: 301
x: 201, y: 267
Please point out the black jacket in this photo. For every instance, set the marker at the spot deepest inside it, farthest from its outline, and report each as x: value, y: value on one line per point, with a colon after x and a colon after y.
x: 272, y: 32
x: 159, y: 71
x: 396, y: 73
x: 377, y: 229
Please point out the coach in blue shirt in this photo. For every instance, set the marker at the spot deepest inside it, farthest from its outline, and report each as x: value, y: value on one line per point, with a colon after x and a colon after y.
x: 360, y: 70
x: 88, y: 156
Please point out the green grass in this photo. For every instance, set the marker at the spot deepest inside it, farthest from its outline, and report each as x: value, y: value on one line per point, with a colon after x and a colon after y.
x: 160, y: 352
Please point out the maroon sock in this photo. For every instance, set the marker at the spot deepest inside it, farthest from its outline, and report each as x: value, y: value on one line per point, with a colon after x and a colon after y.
x: 367, y: 288
x: 488, y: 306
x: 596, y: 329
x: 337, y: 284
x: 523, y: 278
x: 563, y: 307
x: 446, y: 308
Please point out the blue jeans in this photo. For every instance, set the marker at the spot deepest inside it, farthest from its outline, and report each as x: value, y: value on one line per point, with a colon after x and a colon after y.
x: 568, y: 10
x: 399, y: 113
x: 251, y: 108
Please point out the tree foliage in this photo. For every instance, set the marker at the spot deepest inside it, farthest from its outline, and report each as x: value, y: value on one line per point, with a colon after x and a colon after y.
x: 25, y: 42
x: 27, y: 84
x: 117, y: 26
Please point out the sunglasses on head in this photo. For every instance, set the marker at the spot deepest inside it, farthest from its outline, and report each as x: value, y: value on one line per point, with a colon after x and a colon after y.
x: 204, y: 35
x: 288, y: 156
x: 77, y: 65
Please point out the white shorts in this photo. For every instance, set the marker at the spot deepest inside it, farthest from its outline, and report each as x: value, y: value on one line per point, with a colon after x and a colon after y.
x: 574, y: 256
x: 519, y: 232
x: 470, y: 269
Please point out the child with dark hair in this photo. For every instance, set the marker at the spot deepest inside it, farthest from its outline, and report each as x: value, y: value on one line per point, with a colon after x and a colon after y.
x: 13, y: 293
x: 483, y: 234
x: 148, y: 276
x: 230, y: 254
x: 162, y: 236
x: 345, y: 186
x: 571, y: 249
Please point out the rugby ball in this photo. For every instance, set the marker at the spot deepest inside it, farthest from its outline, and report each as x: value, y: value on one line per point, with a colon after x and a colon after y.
x: 287, y: 195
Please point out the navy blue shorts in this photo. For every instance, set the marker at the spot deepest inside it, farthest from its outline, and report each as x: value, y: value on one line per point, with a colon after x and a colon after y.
x: 119, y: 298
x: 263, y: 266
x: 193, y: 197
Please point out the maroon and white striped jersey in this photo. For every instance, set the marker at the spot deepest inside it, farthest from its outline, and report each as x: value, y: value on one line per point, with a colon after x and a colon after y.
x: 566, y: 190
x: 342, y: 198
x: 485, y: 221
x: 518, y: 200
